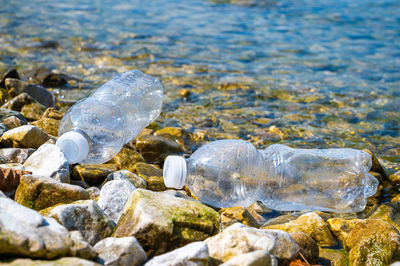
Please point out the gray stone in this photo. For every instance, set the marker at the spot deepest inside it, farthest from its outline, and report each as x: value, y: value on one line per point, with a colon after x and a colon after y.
x: 13, y: 122
x: 14, y: 166
x: 24, y: 232
x: 113, y: 196
x: 120, y: 251
x: 27, y: 136
x: 59, y: 262
x: 84, y: 216
x: 81, y: 248
x: 239, y: 239
x: 16, y: 155
x: 255, y: 258
x: 5, y: 113
x: 193, y: 254
x: 126, y: 175
x: 49, y: 161
x: 94, y: 193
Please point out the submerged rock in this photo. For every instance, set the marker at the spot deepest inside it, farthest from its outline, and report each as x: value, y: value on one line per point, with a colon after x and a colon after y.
x: 27, y: 136
x: 37, y: 192
x: 84, y: 216
x: 194, y: 254
x: 162, y: 222
x: 120, y: 251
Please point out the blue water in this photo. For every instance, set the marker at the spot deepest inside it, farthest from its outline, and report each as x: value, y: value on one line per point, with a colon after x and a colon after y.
x: 325, y: 73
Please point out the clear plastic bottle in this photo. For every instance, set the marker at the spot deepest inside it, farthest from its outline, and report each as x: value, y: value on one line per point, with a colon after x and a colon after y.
x: 230, y: 173
x: 94, y: 129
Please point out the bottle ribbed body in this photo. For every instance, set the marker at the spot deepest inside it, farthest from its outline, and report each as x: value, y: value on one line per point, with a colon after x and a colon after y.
x: 114, y: 114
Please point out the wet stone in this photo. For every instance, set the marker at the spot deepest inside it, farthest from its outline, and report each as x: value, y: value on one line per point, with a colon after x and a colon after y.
x: 37, y: 92
x: 120, y: 251
x: 113, y: 196
x: 377, y: 165
x: 341, y: 227
x: 333, y: 257
x: 84, y: 216
x: 6, y: 113
x: 47, y: 78
x: 152, y: 175
x: 49, y: 161
x: 126, y: 175
x: 24, y: 137
x: 254, y: 258
x: 308, y: 247
x: 239, y: 214
x: 257, y: 210
x: 81, y: 248
x: 48, y: 125
x: 127, y: 158
x: 155, y: 149
x: 395, y: 179
x: 94, y: 175
x: 195, y: 254
x: 80, y: 183
x: 53, y: 113
x: 30, y: 108
x: 178, y: 135
x: 11, y: 73
x: 239, y: 239
x: 42, y: 192
x: 161, y: 222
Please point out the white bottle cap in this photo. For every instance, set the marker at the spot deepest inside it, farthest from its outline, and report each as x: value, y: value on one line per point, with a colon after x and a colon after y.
x: 174, y: 172
x: 74, y: 146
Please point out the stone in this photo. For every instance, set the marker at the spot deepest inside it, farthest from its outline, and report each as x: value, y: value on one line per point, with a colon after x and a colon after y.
x: 24, y: 137
x: 47, y: 78
x: 81, y: 248
x: 373, y: 242
x: 120, y: 251
x: 178, y: 135
x: 80, y: 183
x: 333, y: 257
x: 24, y: 232
x: 254, y: 258
x: 49, y: 161
x: 37, y: 192
x: 94, y: 174
x: 9, y: 180
x: 29, y: 107
x: 377, y: 165
x: 53, y: 113
x: 311, y: 224
x: 14, y: 166
x: 84, y: 216
x: 162, y: 222
x: 395, y: 179
x: 58, y: 262
x: 48, y: 125
x: 7, y: 113
x: 239, y: 214
x: 155, y: 149
x: 126, y: 175
x: 239, y: 239
x: 94, y: 193
x: 13, y: 122
x: 10, y: 73
x: 258, y: 210
x: 152, y: 175
x: 37, y: 92
x: 341, y: 227
x: 127, y: 158
x: 308, y: 247
x: 113, y: 196
x: 16, y: 155
x: 193, y: 254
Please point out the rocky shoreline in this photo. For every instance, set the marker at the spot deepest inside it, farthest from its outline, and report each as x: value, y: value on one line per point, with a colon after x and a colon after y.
x: 121, y: 213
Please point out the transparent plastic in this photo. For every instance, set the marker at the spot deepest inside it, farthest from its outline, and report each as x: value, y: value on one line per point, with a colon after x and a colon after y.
x: 230, y: 173
x: 114, y: 114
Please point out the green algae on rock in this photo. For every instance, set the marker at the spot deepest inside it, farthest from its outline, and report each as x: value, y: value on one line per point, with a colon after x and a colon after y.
x: 93, y: 174
x: 48, y: 125
x: 126, y: 159
x: 236, y: 214
x: 161, y: 222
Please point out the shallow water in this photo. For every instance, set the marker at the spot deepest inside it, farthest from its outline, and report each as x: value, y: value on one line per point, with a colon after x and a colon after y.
x: 306, y: 73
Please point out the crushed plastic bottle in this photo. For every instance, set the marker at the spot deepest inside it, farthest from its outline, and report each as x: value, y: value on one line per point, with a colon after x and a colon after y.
x: 230, y: 173
x: 94, y: 129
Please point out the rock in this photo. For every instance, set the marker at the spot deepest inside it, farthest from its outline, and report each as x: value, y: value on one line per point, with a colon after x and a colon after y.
x: 52, y: 113
x: 14, y: 166
x: 178, y: 135
x: 80, y: 183
x: 48, y: 125
x: 376, y: 164
x: 37, y: 92
x: 308, y: 247
x: 113, y: 196
x: 16, y: 155
x: 84, y: 216
x: 239, y: 214
x: 11, y: 73
x: 156, y: 148
x: 255, y: 258
x: 47, y: 78
x: 24, y: 232
x: 180, y: 194
x: 373, y: 242
x: 162, y: 222
x: 9, y: 180
x: 59, y: 262
x: 257, y: 210
x: 94, y: 175
x: 120, y: 251
x: 3, y: 129
x: 24, y: 137
x: 239, y: 239
x: 42, y: 192
x: 152, y: 175
x: 126, y: 175
x: 333, y: 257
x: 49, y: 161
x: 29, y: 107
x: 341, y: 227
x: 195, y: 253
x: 127, y: 158
x: 94, y: 193
x: 7, y: 113
x: 13, y: 122
x: 395, y: 179
x: 81, y: 248
x: 311, y: 224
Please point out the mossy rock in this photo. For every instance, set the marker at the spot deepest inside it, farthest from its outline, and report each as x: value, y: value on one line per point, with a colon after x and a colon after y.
x: 26, y: 136
x: 341, y: 227
x: 53, y: 113
x: 93, y: 175
x: 179, y: 135
x: 48, y: 125
x: 236, y: 214
x: 333, y: 257
x: 127, y: 158
x: 5, y: 113
x: 162, y: 222
x: 42, y: 192
x: 146, y: 170
x: 308, y: 247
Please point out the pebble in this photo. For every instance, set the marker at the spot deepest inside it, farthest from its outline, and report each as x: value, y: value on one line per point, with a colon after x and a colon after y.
x: 120, y: 251
x: 16, y: 155
x: 27, y: 136
x: 6, y: 113
x: 29, y: 107
x: 126, y: 175
x: 37, y: 92
x: 49, y: 161
x: 81, y: 248
x: 93, y: 175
